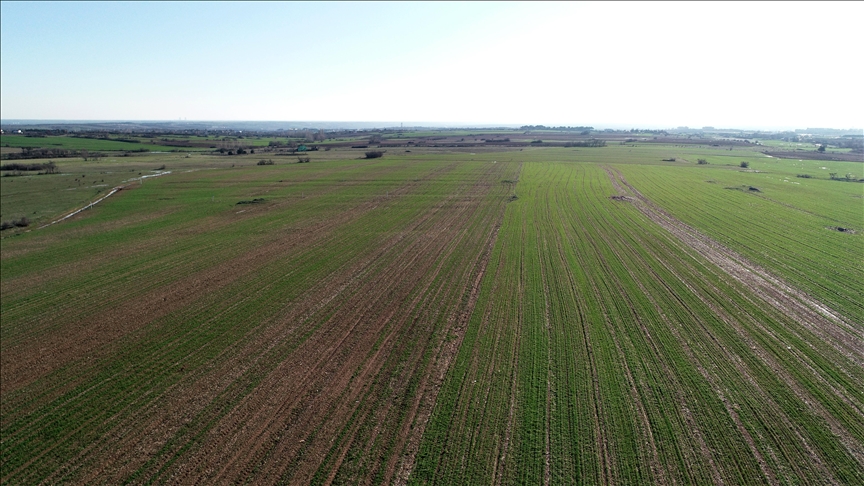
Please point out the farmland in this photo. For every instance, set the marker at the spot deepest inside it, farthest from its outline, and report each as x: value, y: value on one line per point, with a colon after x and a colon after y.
x: 441, y: 315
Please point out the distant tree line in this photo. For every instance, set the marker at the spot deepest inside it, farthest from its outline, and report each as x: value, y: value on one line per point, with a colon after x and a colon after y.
x: 587, y: 143
x: 15, y: 223
x: 653, y: 132
x: 41, y: 153
x: 561, y: 128
x: 57, y: 153
x: 48, y: 167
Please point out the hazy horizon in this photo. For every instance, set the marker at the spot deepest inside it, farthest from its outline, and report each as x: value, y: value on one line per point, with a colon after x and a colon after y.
x: 753, y: 66
x: 361, y: 124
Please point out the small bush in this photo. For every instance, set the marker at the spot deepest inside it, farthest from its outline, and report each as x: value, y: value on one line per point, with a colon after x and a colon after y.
x: 744, y: 164
x: 15, y: 223
x: 804, y: 176
x: 48, y: 167
x: 701, y: 161
x: 265, y: 162
x: 257, y: 200
x: 374, y: 154
x: 303, y: 160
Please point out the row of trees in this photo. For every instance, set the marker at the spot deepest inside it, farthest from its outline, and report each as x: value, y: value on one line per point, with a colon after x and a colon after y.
x: 23, y: 222
x: 587, y: 143
x: 48, y: 167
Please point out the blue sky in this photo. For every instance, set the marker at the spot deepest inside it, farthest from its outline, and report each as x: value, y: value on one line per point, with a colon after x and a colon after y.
x: 771, y: 65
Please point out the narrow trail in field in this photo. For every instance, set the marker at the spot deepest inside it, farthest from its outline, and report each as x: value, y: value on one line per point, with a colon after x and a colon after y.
x: 106, y: 196
x: 840, y: 332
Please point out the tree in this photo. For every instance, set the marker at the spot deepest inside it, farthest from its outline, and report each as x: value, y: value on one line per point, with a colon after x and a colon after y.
x: 745, y: 164
x: 821, y: 148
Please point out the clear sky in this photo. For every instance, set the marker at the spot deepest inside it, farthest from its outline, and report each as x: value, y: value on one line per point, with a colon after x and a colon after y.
x: 735, y: 64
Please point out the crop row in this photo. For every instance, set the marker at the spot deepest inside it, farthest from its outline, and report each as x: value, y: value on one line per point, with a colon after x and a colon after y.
x: 322, y: 325
x: 604, y: 350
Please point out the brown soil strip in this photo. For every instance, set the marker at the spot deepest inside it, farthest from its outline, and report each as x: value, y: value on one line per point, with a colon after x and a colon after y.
x: 813, y: 155
x: 426, y: 399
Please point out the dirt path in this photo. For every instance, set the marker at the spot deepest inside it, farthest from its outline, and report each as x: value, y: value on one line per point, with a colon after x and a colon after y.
x: 106, y: 196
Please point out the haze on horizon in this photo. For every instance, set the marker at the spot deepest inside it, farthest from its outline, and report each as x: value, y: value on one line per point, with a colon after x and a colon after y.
x: 743, y: 65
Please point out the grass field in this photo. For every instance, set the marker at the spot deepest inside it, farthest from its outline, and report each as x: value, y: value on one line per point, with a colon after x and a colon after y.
x: 528, y: 316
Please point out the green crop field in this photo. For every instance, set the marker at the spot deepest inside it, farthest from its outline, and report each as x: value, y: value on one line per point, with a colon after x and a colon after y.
x: 494, y: 316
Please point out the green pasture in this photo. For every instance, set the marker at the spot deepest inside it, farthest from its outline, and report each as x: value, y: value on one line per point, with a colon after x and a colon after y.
x: 601, y: 348
x: 43, y: 198
x: 595, y: 353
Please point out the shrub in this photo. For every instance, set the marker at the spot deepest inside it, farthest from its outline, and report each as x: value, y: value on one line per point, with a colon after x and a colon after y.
x: 19, y: 223
x: 585, y: 143
x: 48, y: 167
x: 745, y: 164
x: 374, y: 154
x: 701, y: 161
x: 257, y: 200
x: 265, y: 162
